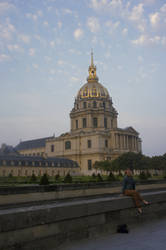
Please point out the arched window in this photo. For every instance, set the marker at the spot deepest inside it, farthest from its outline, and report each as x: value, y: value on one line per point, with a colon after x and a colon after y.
x: 85, y: 93
x: 68, y: 145
x: 94, y: 92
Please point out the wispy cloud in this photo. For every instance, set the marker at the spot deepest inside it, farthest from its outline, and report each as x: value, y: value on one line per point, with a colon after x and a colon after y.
x: 25, y: 38
x: 93, y: 24
x: 78, y: 34
x: 5, y: 6
x: 34, y: 16
x: 147, y: 40
x: 112, y: 26
x: 32, y: 51
x: 4, y: 58
x: 154, y: 18
x: 15, y: 47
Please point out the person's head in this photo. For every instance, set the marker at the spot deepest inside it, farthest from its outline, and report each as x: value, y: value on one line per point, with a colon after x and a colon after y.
x: 128, y: 172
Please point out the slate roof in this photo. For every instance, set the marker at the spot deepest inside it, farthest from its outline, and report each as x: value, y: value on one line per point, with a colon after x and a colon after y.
x: 8, y: 150
x: 36, y: 143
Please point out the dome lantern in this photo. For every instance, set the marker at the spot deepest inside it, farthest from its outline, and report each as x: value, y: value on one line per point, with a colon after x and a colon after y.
x: 92, y: 71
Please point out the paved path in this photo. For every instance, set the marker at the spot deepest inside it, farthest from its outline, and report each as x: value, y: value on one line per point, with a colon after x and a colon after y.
x: 151, y: 236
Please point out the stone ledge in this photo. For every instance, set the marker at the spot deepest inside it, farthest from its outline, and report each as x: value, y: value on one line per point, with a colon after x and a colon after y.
x: 70, y: 220
x: 50, y: 194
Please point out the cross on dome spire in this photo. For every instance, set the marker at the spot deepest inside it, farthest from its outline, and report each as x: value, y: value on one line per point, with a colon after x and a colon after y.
x: 92, y: 58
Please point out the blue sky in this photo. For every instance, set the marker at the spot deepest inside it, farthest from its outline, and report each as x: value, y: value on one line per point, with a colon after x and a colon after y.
x: 45, y: 50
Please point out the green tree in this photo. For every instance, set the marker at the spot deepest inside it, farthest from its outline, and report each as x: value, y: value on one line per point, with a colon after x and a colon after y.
x: 44, y: 180
x: 68, y: 178
x: 99, y: 178
x: 57, y: 178
x: 103, y: 165
x: 143, y: 176
x: 130, y: 160
x: 33, y: 178
x: 111, y: 177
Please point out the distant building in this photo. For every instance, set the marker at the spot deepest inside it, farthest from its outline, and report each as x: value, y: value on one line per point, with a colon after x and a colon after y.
x: 12, y: 163
x: 94, y: 134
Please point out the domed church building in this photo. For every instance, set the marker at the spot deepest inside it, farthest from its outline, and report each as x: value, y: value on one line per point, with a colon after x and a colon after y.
x: 94, y: 134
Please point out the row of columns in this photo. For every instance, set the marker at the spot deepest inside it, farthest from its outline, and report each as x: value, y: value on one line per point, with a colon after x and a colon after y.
x: 126, y: 141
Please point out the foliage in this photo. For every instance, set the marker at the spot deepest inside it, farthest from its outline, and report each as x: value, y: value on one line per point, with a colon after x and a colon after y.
x: 111, y: 177
x: 133, y: 161
x: 44, y: 180
x: 57, y: 178
x: 93, y: 176
x: 103, y: 165
x: 68, y: 178
x: 99, y: 178
x: 148, y: 174
x: 143, y: 175
x: 130, y: 160
x: 33, y: 178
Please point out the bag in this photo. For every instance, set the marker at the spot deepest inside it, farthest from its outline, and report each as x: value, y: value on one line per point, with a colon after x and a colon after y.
x: 122, y: 228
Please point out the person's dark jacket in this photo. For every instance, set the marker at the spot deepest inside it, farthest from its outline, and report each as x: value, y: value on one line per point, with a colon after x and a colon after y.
x: 128, y: 183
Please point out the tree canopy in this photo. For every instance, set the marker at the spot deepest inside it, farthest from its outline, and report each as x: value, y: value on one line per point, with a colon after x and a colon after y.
x: 132, y: 160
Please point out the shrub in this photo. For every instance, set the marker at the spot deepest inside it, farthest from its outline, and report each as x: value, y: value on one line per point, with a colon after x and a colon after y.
x: 93, y: 178
x: 10, y: 175
x: 111, y: 177
x: 68, y: 178
x: 143, y: 176
x: 164, y: 175
x: 57, y: 177
x: 99, y: 178
x: 44, y: 180
x: 148, y: 174
x: 33, y: 178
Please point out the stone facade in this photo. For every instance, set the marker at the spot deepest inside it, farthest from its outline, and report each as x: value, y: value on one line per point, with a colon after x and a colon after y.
x: 94, y: 134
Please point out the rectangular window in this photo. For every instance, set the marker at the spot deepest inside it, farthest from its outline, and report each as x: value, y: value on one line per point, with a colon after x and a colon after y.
x: 84, y: 122
x: 84, y: 105
x: 89, y: 164
x: 95, y: 122
x: 89, y: 144
x: 76, y: 124
x: 105, y: 122
x: 68, y: 145
x: 111, y: 123
x: 94, y: 104
x: 52, y: 148
x: 106, y: 143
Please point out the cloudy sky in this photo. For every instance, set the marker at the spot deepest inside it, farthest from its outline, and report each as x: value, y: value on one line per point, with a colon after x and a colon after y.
x: 45, y: 50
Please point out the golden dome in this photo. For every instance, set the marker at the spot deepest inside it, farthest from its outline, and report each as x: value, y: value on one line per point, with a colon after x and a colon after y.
x: 92, y: 88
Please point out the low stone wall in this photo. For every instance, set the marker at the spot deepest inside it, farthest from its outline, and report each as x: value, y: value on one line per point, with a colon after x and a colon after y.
x: 49, y: 226
x: 12, y: 196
